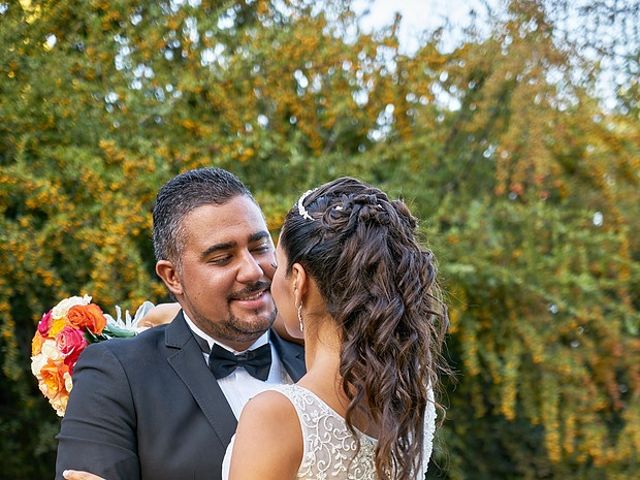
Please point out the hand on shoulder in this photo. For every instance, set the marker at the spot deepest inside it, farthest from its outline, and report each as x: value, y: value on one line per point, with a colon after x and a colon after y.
x: 80, y: 475
x: 268, y: 443
x: 160, y: 314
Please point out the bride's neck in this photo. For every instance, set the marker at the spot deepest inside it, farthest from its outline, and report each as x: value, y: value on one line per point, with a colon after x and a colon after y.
x: 322, y: 356
x: 322, y: 347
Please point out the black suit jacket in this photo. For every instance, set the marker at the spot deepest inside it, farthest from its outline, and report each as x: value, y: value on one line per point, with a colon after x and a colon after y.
x: 150, y: 408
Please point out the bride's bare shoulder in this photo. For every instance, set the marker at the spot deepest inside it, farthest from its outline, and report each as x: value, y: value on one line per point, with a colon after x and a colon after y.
x: 270, y: 406
x: 268, y: 443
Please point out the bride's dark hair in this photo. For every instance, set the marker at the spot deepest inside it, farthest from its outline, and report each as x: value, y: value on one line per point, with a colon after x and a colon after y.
x: 379, y: 286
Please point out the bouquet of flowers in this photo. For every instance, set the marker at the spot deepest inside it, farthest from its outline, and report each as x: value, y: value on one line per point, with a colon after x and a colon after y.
x: 63, y: 333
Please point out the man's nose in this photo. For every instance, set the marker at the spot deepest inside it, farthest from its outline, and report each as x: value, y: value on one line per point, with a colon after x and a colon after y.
x: 250, y: 269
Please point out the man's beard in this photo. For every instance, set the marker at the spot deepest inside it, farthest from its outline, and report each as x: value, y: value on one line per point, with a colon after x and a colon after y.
x: 241, y: 330
x: 238, y: 330
x: 234, y: 329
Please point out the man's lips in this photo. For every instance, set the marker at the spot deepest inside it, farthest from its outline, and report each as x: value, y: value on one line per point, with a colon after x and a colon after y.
x: 253, y: 300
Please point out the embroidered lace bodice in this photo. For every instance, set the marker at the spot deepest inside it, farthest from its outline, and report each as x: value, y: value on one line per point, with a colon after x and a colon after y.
x: 329, y: 447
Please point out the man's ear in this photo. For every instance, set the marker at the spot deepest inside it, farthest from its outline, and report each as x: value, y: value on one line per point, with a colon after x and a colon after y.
x: 169, y: 275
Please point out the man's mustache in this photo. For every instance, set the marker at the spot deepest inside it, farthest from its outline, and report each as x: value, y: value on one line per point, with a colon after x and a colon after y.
x: 249, y: 290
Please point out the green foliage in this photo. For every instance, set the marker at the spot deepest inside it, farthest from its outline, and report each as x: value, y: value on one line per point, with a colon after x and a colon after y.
x: 527, y: 190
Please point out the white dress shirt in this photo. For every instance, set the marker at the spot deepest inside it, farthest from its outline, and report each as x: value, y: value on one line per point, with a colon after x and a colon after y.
x: 239, y: 387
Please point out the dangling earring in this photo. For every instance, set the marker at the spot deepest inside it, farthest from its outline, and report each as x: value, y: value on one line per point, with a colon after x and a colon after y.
x: 300, y: 318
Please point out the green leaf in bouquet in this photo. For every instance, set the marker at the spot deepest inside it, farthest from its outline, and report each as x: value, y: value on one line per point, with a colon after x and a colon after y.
x: 115, y: 331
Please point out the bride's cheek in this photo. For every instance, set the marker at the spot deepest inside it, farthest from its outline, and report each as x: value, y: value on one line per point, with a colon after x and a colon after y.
x: 269, y: 265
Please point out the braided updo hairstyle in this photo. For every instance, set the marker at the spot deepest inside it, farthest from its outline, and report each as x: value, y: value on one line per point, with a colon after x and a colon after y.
x: 379, y: 286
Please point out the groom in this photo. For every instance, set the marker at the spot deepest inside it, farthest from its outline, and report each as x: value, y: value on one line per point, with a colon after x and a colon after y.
x: 164, y: 405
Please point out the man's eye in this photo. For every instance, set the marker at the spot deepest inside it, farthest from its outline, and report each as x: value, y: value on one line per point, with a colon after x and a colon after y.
x: 219, y: 260
x: 262, y: 249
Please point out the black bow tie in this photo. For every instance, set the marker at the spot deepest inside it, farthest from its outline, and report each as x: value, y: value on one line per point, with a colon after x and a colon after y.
x: 256, y: 362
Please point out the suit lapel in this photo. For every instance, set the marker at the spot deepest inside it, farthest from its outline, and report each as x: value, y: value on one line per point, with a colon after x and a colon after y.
x: 291, y: 355
x: 186, y: 359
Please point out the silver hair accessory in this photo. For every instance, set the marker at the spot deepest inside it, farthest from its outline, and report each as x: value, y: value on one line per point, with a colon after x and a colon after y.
x: 300, y: 322
x: 301, y: 210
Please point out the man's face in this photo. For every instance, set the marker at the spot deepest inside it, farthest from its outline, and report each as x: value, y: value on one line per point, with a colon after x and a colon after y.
x: 227, y: 263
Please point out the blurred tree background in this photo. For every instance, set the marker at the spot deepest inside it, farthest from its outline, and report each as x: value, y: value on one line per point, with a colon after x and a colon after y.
x: 519, y: 149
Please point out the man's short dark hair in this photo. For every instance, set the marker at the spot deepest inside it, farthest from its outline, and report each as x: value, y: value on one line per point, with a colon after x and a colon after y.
x: 183, y: 194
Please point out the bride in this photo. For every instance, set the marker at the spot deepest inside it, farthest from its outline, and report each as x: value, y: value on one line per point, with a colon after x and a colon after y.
x: 355, y: 284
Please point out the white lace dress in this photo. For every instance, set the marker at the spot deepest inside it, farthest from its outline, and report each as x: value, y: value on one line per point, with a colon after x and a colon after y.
x: 329, y: 447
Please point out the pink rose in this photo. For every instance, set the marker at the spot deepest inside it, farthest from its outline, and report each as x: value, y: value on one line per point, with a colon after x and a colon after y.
x: 71, y: 359
x: 71, y: 340
x: 45, y: 324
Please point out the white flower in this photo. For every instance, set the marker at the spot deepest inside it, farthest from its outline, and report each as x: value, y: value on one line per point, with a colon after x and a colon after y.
x: 128, y: 323
x: 59, y: 404
x: 50, y: 350
x: 37, y: 362
x: 68, y: 383
x: 61, y: 309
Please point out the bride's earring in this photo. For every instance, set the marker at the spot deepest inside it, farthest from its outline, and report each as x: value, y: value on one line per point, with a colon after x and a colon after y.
x: 300, y: 318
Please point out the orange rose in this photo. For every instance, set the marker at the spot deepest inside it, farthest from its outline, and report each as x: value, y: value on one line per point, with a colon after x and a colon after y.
x: 53, y: 378
x: 36, y: 344
x: 89, y: 316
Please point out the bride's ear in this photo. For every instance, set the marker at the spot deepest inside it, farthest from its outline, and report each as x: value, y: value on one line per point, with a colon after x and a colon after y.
x: 169, y: 275
x: 300, y: 281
